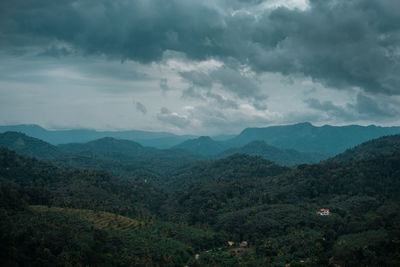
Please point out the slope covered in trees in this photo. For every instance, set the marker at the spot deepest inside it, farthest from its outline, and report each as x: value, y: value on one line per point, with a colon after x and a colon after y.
x: 30, y: 146
x: 381, y: 146
x: 78, y: 188
x: 278, y: 214
x: 203, y: 145
x: 123, y: 158
x: 287, y: 157
x: 239, y: 198
x: 238, y: 166
x: 56, y: 137
x: 305, y: 137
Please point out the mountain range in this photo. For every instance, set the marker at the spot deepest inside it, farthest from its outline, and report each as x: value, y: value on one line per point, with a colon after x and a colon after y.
x: 127, y: 152
x: 186, y: 215
x: 303, y: 137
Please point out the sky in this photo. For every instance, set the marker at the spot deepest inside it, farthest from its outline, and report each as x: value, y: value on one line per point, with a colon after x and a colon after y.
x: 199, y: 67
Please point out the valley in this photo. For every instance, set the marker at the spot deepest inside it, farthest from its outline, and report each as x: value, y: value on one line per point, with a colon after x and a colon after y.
x: 140, y: 205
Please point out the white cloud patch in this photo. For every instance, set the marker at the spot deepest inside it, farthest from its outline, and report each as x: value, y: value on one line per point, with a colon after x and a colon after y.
x: 172, y: 118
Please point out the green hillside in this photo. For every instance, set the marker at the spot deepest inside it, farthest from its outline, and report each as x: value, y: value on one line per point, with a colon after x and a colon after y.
x: 30, y: 146
x: 43, y: 236
x: 306, y: 137
x: 381, y: 146
x: 197, y: 208
x: 286, y: 157
x: 203, y: 145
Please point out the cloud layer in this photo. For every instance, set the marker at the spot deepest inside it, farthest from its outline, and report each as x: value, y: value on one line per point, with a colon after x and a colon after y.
x: 340, y: 43
x: 221, y: 51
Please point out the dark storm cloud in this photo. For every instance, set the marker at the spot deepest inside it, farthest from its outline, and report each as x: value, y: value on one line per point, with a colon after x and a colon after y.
x: 229, y: 79
x: 172, y: 118
x: 340, y: 43
x: 140, y: 107
x: 140, y: 30
x: 368, y: 107
x: 331, y: 109
x: 364, y: 107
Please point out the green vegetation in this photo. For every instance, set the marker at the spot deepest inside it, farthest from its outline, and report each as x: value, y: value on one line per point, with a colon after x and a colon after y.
x: 286, y: 157
x: 376, y: 147
x: 53, y: 215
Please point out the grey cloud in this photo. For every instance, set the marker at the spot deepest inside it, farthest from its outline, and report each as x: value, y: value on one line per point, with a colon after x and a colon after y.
x: 140, y: 107
x: 331, y: 109
x: 164, y: 84
x: 368, y: 107
x: 192, y: 92
x: 341, y: 43
x: 233, y: 81
x: 260, y: 103
x: 198, y: 78
x: 54, y: 51
x: 229, y: 79
x: 213, y: 119
x: 172, y: 118
x: 137, y: 30
x: 338, y: 43
x: 222, y: 102
x: 364, y: 108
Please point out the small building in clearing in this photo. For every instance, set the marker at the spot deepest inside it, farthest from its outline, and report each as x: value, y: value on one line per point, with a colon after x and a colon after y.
x: 323, y: 212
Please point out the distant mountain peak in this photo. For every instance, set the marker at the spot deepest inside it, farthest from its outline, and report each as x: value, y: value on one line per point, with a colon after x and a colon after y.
x: 304, y: 124
x: 204, y: 138
x: 204, y: 145
x: 304, y: 137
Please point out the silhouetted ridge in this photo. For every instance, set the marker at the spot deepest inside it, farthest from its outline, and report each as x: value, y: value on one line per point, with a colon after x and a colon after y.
x: 204, y: 145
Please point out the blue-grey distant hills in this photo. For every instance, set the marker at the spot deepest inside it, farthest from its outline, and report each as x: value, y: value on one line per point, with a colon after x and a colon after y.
x: 204, y: 145
x: 29, y: 146
x: 285, y: 157
x: 382, y: 146
x: 305, y: 137
x: 117, y: 156
x: 55, y: 137
x: 127, y: 150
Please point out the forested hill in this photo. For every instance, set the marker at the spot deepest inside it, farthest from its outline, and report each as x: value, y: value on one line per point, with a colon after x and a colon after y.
x: 234, y: 167
x: 104, y: 145
x: 203, y: 145
x: 118, y: 148
x: 305, y: 137
x: 77, y: 188
x: 278, y: 214
x: 373, y: 148
x: 121, y: 157
x: 286, y: 157
x: 239, y: 198
x: 55, y: 137
x: 30, y: 146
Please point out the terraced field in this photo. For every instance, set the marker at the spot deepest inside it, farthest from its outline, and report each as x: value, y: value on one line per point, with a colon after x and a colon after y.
x: 99, y: 219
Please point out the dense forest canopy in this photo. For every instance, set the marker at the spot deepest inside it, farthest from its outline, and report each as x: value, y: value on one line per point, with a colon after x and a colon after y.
x: 184, y: 213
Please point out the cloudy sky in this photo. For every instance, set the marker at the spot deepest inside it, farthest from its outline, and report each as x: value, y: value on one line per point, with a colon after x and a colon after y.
x: 199, y: 67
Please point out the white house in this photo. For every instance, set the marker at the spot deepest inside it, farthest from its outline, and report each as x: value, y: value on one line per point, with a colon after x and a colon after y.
x: 323, y: 212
